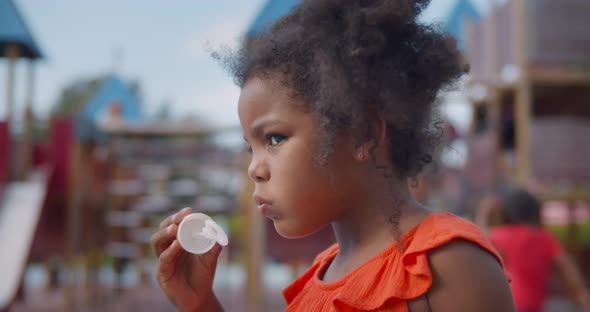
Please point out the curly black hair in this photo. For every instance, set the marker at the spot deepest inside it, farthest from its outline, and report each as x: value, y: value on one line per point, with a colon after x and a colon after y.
x: 347, y: 58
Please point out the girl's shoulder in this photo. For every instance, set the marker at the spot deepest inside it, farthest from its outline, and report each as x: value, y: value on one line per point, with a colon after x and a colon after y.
x: 435, y: 230
x: 441, y: 228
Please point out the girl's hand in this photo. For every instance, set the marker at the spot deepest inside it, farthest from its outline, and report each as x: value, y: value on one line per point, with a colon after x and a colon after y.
x: 187, y: 279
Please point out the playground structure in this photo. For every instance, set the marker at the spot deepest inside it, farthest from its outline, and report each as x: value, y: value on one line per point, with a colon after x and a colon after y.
x: 100, y: 182
x: 16, y: 155
x: 530, y: 89
x: 153, y: 169
x: 93, y: 191
x: 112, y: 174
x: 110, y: 181
x: 93, y: 187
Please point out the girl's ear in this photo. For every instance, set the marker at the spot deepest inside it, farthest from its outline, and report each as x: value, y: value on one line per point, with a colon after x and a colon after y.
x: 376, y: 139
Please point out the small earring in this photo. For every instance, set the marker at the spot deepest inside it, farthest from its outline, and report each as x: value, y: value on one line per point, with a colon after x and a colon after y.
x: 361, y: 155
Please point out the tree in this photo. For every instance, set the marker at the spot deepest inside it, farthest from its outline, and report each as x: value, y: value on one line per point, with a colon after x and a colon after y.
x: 75, y: 95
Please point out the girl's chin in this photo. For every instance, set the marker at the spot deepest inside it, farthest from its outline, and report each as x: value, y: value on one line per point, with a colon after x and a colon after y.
x: 291, y: 231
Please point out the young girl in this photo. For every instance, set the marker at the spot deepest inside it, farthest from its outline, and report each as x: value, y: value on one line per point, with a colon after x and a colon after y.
x: 335, y: 105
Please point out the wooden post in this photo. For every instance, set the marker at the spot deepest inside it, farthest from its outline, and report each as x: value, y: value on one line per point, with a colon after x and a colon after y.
x: 254, y: 246
x: 523, y: 120
x: 85, y: 229
x: 27, y: 145
x: 493, y: 69
x: 12, y: 52
x: 73, y: 225
x: 491, y: 46
x: 494, y: 101
x: 523, y: 103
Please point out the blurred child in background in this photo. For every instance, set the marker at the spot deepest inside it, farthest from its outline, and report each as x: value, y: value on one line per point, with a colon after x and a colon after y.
x: 513, y: 221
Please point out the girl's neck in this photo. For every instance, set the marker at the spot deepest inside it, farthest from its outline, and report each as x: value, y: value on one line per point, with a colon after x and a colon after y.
x: 382, y: 219
x: 367, y: 230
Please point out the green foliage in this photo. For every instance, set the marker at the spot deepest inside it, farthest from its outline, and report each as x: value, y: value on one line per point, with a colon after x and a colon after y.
x: 561, y: 231
x: 75, y: 95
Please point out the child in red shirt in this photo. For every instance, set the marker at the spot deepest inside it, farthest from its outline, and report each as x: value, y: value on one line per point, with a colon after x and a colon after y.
x: 530, y: 251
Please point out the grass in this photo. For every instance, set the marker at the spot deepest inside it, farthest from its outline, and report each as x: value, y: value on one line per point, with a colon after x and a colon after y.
x: 561, y: 231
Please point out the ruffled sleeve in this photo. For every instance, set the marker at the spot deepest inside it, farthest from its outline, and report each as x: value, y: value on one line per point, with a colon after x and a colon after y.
x: 404, y: 273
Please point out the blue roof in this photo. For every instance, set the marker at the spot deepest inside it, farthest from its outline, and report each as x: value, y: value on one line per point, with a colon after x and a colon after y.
x: 112, y: 91
x: 13, y: 29
x: 455, y: 24
x: 272, y: 10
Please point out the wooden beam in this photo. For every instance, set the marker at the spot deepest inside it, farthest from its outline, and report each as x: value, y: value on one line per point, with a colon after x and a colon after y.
x: 523, y: 122
x: 494, y: 103
x: 164, y: 129
x: 14, y: 161
x: 12, y: 52
x: 28, y: 116
x: 560, y: 77
x: 73, y: 225
x: 491, y: 42
x: 523, y: 95
x: 571, y: 194
x: 254, y: 244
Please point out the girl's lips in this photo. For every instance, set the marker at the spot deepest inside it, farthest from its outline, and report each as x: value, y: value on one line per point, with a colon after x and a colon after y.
x: 265, y: 207
x: 265, y: 210
x: 260, y: 201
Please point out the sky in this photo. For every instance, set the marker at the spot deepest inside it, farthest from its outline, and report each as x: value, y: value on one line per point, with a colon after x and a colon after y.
x: 162, y: 44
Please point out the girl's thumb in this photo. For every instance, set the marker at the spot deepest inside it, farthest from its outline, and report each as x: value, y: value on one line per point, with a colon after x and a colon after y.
x: 210, y: 258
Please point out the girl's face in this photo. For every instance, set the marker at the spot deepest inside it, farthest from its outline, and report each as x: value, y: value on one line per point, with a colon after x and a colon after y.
x: 298, y: 195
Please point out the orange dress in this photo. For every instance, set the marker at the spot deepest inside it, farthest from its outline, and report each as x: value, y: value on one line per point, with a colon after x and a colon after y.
x: 389, y: 279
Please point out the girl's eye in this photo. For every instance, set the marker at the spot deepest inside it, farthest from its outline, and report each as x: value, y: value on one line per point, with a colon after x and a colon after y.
x: 249, y: 149
x: 275, y: 139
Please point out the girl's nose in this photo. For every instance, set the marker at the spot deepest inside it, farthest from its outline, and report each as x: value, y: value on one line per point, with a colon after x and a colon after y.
x: 258, y: 170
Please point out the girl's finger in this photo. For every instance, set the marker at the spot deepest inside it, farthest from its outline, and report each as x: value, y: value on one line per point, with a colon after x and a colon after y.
x: 166, y: 222
x: 175, y: 218
x: 171, y: 253
x: 167, y: 260
x: 210, y: 258
x: 163, y: 238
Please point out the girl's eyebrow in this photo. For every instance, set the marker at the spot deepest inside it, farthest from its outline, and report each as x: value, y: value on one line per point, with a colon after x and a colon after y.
x: 259, y: 124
